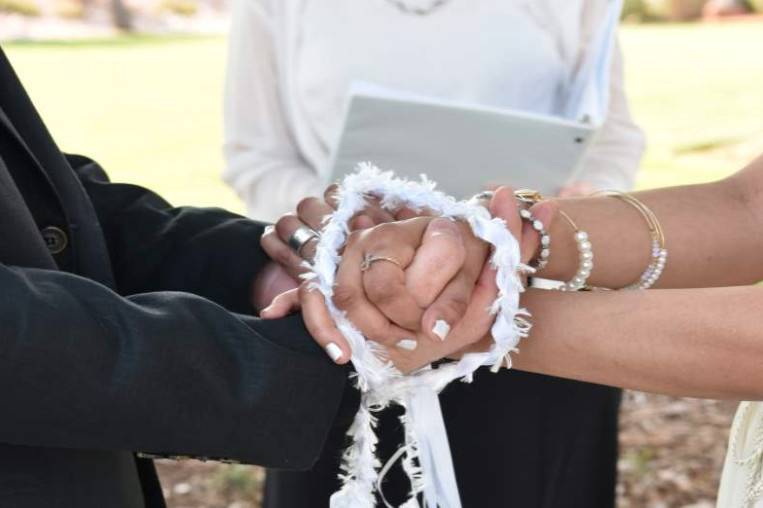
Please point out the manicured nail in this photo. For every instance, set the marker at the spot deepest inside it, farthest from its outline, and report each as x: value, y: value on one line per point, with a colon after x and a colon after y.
x: 268, y: 229
x: 408, y: 344
x: 334, y: 351
x: 441, y: 329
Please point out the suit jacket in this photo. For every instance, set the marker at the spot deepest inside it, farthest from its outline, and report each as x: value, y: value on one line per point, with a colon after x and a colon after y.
x: 124, y: 329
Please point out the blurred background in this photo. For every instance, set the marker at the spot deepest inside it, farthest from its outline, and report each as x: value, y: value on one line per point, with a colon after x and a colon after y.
x: 137, y: 85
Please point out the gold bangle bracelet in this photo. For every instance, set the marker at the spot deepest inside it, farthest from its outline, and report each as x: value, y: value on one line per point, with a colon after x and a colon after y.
x: 659, y: 253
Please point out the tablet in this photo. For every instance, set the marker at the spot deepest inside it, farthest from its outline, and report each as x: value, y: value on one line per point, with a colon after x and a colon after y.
x: 464, y: 148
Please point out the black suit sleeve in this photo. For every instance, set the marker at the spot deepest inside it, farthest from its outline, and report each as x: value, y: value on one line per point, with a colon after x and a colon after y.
x: 156, y: 247
x: 169, y: 373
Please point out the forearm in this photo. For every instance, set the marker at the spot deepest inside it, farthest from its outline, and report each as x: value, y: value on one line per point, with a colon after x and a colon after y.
x: 714, y: 234
x: 154, y: 246
x: 698, y: 342
x: 169, y: 373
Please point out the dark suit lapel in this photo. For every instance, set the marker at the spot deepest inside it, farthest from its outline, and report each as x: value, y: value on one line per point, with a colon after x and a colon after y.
x: 20, y: 118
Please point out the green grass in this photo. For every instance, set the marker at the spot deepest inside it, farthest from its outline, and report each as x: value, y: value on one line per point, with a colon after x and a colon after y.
x: 696, y: 91
x: 149, y: 108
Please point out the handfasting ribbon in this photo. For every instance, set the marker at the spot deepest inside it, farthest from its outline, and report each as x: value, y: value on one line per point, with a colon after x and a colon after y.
x: 428, y: 461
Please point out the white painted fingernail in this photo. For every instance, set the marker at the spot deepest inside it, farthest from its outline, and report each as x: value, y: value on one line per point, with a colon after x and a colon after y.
x: 408, y: 344
x: 334, y: 351
x: 441, y: 329
x: 268, y: 229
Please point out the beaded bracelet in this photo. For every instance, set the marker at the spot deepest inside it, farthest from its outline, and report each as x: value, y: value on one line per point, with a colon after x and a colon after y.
x: 585, y: 258
x: 532, y: 197
x: 659, y: 254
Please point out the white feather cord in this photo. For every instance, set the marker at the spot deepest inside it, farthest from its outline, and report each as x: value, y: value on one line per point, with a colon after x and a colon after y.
x: 379, y: 382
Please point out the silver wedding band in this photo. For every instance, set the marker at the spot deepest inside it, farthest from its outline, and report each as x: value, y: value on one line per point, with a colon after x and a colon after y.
x: 300, y: 237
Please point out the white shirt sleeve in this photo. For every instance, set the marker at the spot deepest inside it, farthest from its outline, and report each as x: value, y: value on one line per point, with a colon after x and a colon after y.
x: 263, y: 164
x: 613, y: 159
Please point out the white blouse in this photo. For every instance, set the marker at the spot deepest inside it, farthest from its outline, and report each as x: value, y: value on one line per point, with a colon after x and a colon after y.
x: 291, y: 63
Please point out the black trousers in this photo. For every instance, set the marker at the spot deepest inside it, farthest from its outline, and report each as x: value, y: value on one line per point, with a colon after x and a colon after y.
x: 518, y: 440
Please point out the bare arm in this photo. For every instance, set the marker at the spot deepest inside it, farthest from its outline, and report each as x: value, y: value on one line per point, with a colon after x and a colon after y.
x: 714, y: 234
x: 692, y: 342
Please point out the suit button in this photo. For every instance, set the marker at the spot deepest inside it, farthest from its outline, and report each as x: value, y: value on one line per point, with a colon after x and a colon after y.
x: 55, y: 238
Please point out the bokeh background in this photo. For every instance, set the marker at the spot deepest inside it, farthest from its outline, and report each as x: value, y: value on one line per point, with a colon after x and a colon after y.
x: 137, y: 85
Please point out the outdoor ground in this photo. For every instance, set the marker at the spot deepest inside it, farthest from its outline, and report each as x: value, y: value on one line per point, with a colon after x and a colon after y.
x: 149, y: 110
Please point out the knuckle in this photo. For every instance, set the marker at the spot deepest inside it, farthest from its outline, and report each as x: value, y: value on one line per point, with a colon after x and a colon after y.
x: 330, y: 193
x: 344, y: 297
x: 354, y: 238
x: 378, y: 332
x: 453, y: 308
x: 283, y: 255
x: 285, y: 224
x: 380, y: 290
x: 306, y: 205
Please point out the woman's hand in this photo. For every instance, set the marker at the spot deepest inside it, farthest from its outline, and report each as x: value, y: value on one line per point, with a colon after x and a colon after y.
x: 399, y: 283
x: 472, y: 332
x: 283, y: 273
x: 387, y: 303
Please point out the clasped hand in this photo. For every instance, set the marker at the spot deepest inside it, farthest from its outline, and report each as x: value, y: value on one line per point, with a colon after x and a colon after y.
x: 420, y: 286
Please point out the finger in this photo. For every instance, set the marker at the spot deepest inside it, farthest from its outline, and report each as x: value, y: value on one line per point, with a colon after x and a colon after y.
x: 349, y: 293
x: 313, y: 212
x: 361, y: 222
x: 330, y: 195
x: 375, y: 211
x: 385, y: 281
x: 281, y: 253
x: 438, y: 259
x: 473, y: 329
x: 406, y: 213
x: 285, y: 227
x: 504, y: 205
x: 282, y: 305
x: 270, y: 282
x: 477, y: 319
x: 450, y: 305
x: 321, y: 326
x: 448, y: 309
x: 385, y: 286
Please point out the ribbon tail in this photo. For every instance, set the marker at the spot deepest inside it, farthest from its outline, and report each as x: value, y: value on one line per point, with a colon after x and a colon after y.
x: 438, y: 474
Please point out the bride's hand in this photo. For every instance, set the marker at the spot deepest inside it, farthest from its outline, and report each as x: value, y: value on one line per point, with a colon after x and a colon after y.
x: 472, y: 332
x: 394, y: 281
x: 282, y: 274
x: 440, y: 273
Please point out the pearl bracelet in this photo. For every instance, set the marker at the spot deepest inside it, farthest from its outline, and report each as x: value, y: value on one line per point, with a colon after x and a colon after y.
x: 585, y: 258
x: 531, y: 197
x: 545, y: 239
x: 658, y: 254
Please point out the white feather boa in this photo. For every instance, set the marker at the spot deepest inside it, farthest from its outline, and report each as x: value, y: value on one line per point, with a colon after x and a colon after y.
x: 427, y: 462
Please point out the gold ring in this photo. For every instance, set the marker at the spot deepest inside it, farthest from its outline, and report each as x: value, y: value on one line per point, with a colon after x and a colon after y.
x: 370, y: 259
